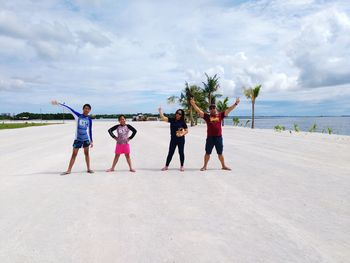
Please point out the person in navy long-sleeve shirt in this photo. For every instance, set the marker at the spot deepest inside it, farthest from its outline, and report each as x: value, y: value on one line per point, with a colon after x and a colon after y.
x: 83, y: 135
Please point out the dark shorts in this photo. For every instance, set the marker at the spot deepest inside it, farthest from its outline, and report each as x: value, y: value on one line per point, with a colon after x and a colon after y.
x: 78, y: 144
x: 214, y: 141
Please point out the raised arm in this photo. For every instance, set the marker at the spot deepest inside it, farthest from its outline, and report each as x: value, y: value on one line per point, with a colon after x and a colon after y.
x: 133, y: 130
x: 73, y: 112
x: 231, y: 108
x: 196, y: 108
x: 163, y: 118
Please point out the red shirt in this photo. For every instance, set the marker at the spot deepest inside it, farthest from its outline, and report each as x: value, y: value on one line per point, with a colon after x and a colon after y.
x: 214, y: 123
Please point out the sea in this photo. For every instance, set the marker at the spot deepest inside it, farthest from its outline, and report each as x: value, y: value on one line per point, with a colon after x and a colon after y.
x: 338, y: 125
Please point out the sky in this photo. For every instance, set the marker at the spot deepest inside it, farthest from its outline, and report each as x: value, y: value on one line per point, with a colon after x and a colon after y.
x: 129, y: 56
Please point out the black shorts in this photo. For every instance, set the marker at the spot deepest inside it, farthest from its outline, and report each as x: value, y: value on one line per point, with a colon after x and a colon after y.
x: 78, y: 144
x: 214, y: 141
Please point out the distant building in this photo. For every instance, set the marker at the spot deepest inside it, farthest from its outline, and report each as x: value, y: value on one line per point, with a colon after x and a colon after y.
x: 152, y: 118
x: 141, y: 117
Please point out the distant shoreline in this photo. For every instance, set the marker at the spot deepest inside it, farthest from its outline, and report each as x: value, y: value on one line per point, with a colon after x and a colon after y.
x: 337, y: 125
x: 47, y: 116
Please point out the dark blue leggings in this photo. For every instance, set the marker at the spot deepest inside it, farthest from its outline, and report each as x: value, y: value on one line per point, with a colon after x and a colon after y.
x: 180, y: 143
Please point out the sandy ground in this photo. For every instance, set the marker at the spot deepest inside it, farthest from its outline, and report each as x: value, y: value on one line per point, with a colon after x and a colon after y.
x: 287, y: 198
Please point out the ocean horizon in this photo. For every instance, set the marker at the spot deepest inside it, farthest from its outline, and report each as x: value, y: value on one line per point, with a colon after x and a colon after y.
x: 339, y: 124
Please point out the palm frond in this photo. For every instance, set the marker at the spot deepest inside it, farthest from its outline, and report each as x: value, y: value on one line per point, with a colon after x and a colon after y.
x: 247, y: 92
x: 222, y: 105
x: 256, y: 91
x: 172, y: 99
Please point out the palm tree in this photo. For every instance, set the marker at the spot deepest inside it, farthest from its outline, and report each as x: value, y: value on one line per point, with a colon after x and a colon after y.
x: 236, y: 121
x: 296, y: 127
x: 222, y: 106
x: 313, y: 128
x: 252, y: 94
x: 210, y: 87
x: 184, y: 100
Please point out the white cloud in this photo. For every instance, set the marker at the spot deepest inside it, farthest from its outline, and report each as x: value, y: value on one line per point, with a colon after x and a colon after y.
x: 54, y: 37
x: 11, y: 26
x: 95, y: 37
x: 11, y: 84
x: 321, y: 50
x: 107, y: 48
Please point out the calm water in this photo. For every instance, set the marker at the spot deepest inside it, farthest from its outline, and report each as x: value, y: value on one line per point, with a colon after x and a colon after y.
x: 339, y: 125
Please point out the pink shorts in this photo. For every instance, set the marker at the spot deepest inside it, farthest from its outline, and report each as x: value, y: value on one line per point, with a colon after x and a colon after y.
x: 122, y: 149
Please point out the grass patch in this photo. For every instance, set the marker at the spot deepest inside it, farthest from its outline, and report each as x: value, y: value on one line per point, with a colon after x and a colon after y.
x: 4, y: 126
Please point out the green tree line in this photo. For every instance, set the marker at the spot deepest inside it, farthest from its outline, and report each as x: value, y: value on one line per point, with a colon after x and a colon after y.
x: 65, y: 116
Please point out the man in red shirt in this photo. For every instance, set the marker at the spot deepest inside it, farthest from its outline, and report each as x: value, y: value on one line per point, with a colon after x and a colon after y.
x: 214, y: 131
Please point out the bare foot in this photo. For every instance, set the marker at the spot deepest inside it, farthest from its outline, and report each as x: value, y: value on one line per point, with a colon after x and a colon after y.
x: 110, y: 170
x: 203, y: 169
x: 65, y: 173
x: 90, y: 171
x: 226, y: 168
x: 182, y: 169
x: 165, y: 168
x: 132, y: 170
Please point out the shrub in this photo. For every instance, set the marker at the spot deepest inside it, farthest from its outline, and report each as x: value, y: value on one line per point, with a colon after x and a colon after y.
x: 313, y: 128
x: 296, y: 127
x: 279, y: 128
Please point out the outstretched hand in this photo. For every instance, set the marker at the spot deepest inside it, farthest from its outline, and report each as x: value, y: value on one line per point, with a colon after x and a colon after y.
x: 54, y: 102
x: 192, y: 101
x: 237, y: 100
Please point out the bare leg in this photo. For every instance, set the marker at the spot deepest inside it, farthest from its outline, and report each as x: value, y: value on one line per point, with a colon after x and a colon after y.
x: 128, y: 159
x: 222, y: 160
x: 115, y: 160
x: 72, y: 160
x: 87, y: 159
x: 206, y: 160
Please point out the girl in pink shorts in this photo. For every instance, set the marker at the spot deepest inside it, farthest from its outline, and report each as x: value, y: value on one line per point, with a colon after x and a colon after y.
x: 122, y: 147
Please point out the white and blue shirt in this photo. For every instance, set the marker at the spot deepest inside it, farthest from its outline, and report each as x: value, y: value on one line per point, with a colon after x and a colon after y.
x: 83, y: 123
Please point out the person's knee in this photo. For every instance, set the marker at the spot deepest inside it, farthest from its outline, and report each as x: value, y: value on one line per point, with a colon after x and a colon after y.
x: 127, y: 156
x: 208, y: 150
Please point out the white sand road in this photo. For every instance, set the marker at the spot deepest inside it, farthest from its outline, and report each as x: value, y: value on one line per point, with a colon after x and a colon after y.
x: 287, y: 198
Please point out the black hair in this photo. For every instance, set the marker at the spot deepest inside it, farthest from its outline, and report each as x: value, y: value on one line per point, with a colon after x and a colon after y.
x: 121, y: 116
x: 87, y: 105
x: 212, y: 106
x: 182, y: 114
